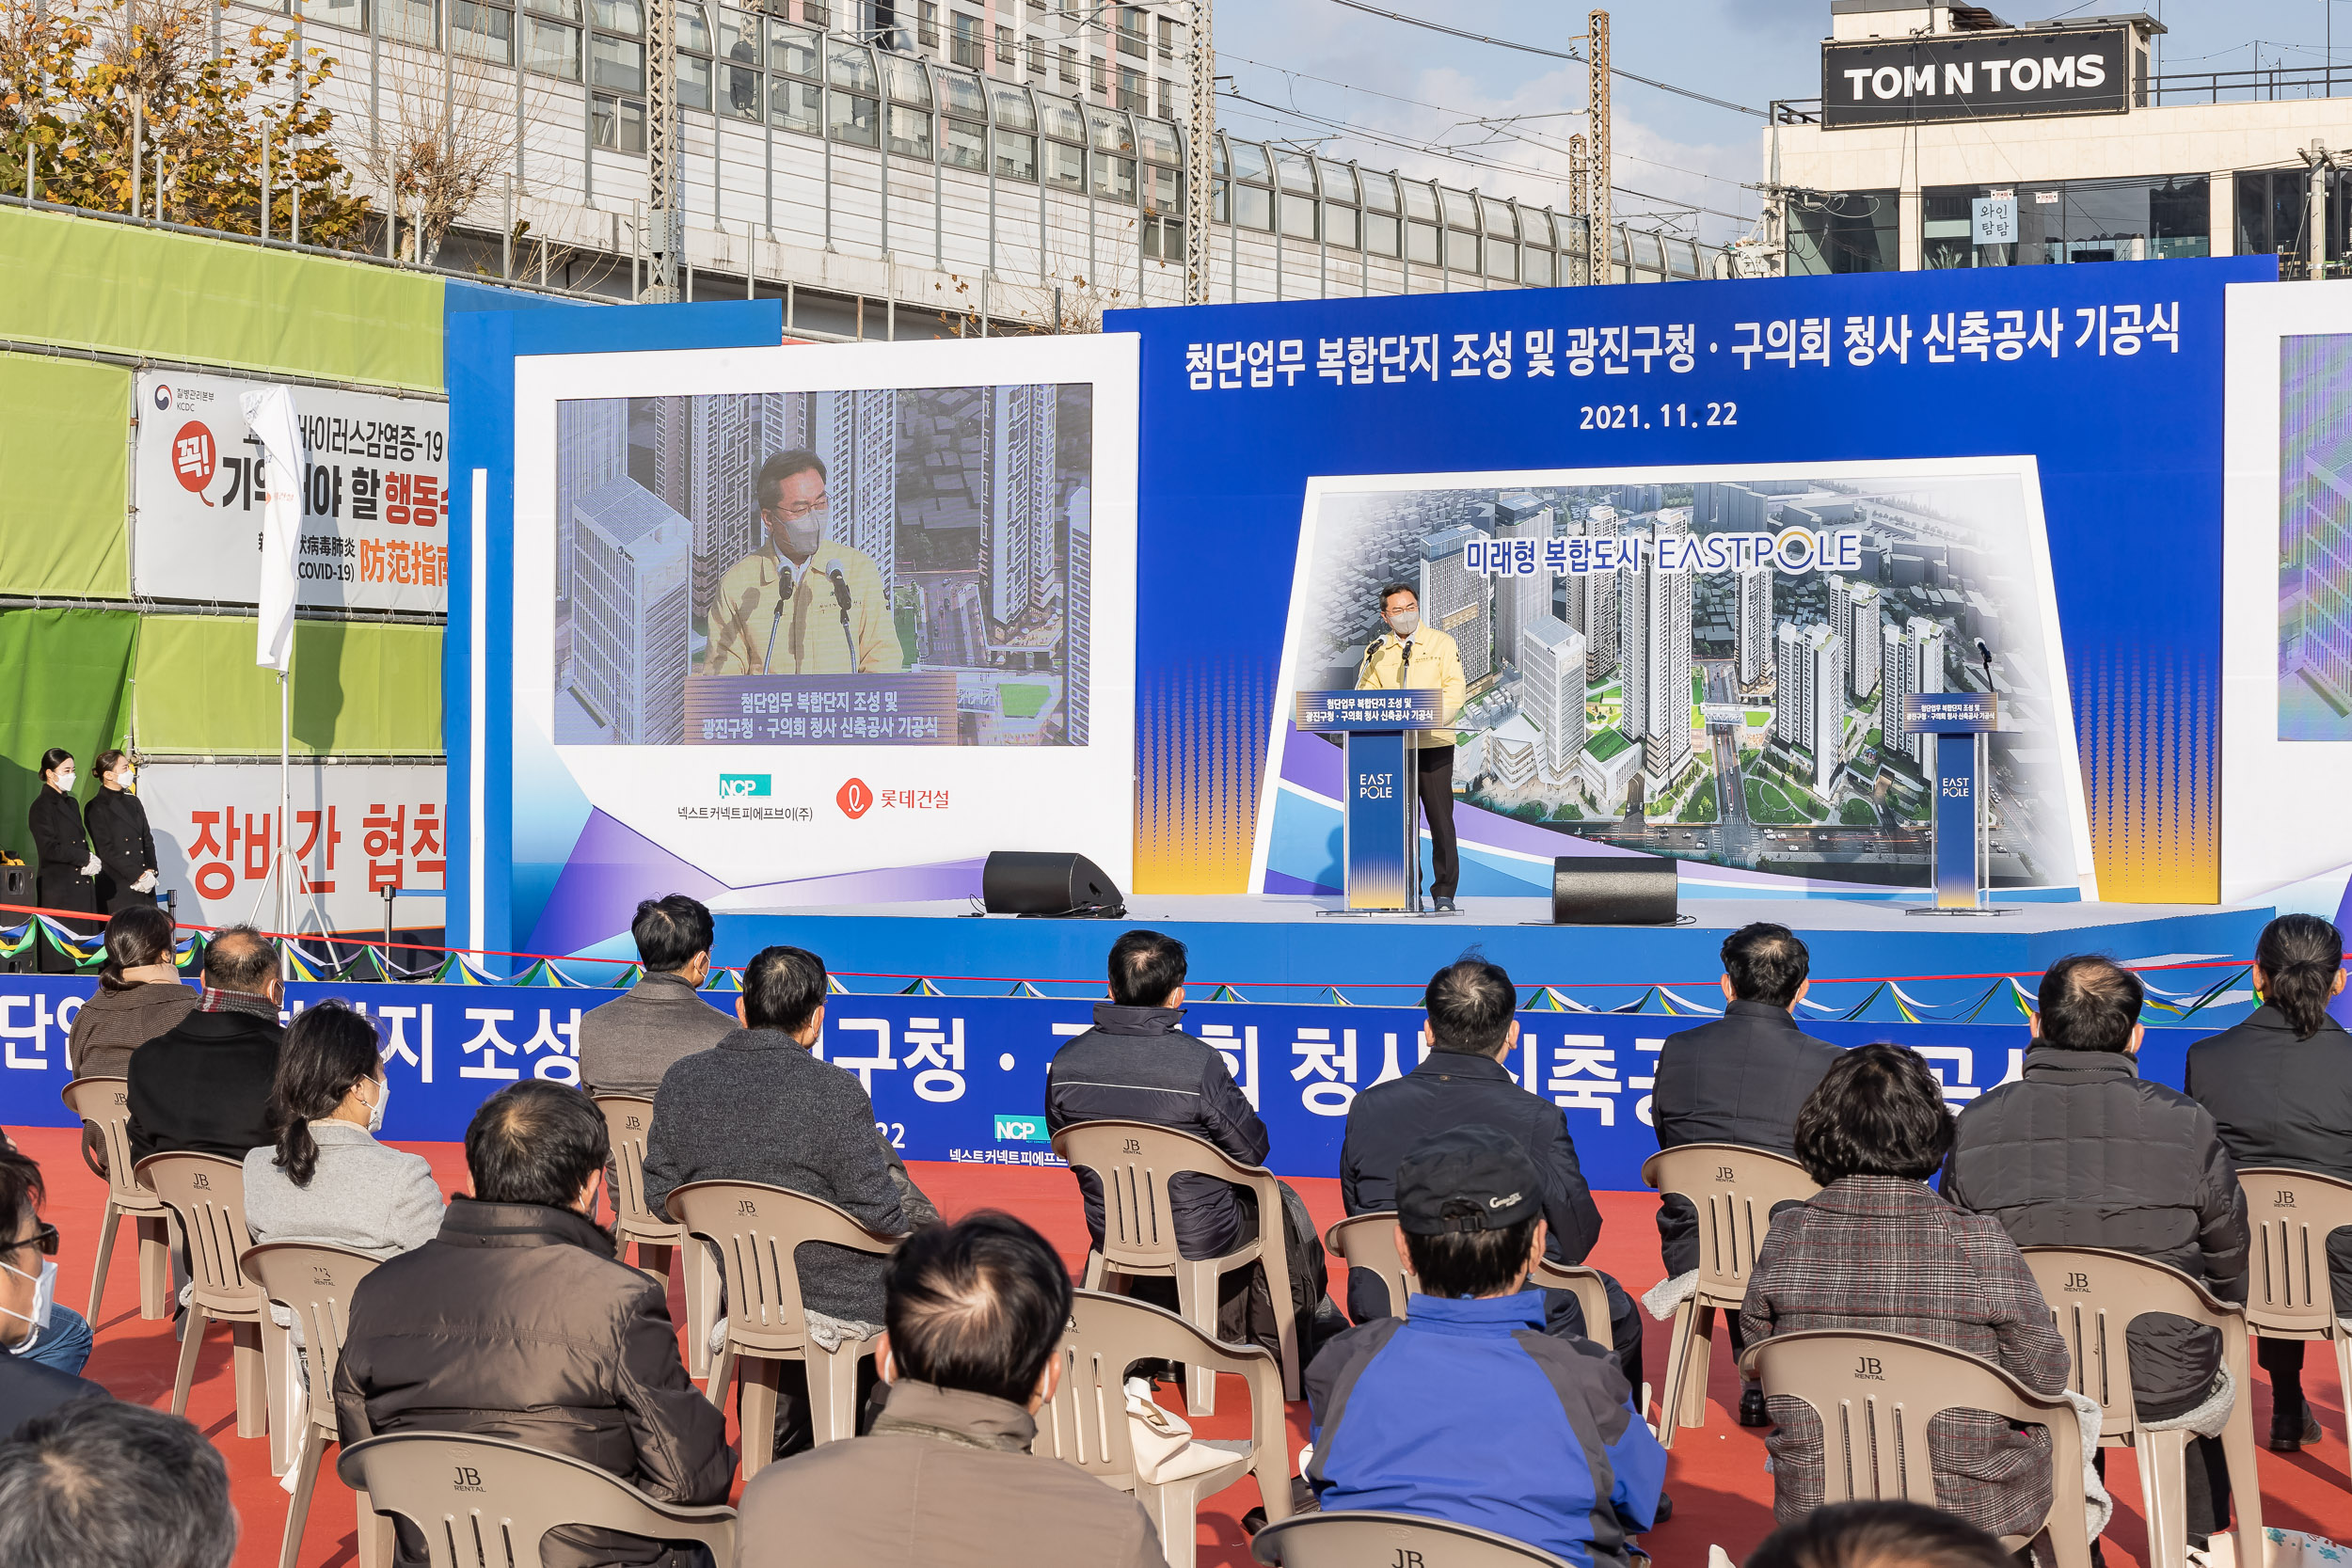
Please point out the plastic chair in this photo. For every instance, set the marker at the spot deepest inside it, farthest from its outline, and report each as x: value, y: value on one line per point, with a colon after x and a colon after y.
x: 759, y: 1230
x: 103, y: 1104
x: 314, y: 1281
x: 1735, y: 1189
x: 1876, y: 1393
x: 1134, y: 1159
x: 1369, y: 1242
x: 207, y: 1194
x: 2288, y: 1296
x: 627, y: 1120
x: 1367, y: 1538
x: 484, y: 1502
x: 1086, y: 1422
x: 2095, y: 1292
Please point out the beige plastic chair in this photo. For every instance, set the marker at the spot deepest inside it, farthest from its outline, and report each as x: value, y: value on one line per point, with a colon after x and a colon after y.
x: 1369, y: 1242
x: 1085, y: 1424
x: 207, y: 1194
x: 1876, y: 1393
x: 314, y: 1281
x: 627, y: 1119
x: 1367, y: 1538
x: 105, y: 1104
x: 1734, y: 1189
x: 484, y: 1502
x: 2095, y: 1294
x: 1134, y: 1159
x: 2288, y: 1296
x: 759, y: 1230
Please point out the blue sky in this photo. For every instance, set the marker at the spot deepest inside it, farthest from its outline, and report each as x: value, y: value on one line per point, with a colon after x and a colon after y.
x: 1390, y: 80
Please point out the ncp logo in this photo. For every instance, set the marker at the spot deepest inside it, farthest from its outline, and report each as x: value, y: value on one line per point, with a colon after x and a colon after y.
x: 854, y: 799
x: 1021, y: 1129
x: 733, y: 786
x: 163, y: 397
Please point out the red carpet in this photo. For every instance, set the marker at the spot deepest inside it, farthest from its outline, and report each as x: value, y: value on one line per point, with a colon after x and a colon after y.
x: 1721, y: 1494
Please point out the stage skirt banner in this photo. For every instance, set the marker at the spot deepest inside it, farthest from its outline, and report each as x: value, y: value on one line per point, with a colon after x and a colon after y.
x: 962, y: 1079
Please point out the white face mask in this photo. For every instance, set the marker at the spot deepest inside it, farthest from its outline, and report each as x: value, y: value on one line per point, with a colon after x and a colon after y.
x: 383, y: 1097
x: 1404, y: 622
x: 44, y: 1291
x: 65, y: 781
x: 123, y: 779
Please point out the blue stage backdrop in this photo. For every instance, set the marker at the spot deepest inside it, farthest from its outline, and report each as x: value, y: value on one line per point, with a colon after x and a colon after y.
x: 963, y: 1078
x: 1834, y: 403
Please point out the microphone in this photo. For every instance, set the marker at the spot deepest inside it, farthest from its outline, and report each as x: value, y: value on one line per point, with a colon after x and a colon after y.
x: 841, y: 597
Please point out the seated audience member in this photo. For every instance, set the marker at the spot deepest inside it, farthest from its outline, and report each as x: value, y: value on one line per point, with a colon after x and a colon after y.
x: 1739, y: 1080
x: 1465, y: 1409
x: 2082, y: 1152
x: 46, y: 1344
x: 1135, y: 1065
x: 139, y: 995
x: 204, y: 1085
x: 1875, y: 1248
x: 102, y: 1484
x: 325, y: 1178
x: 945, y: 1479
x: 2279, y: 1088
x: 759, y: 1107
x: 1880, y: 1535
x: 517, y: 1321
x: 630, y: 1042
x: 1470, y: 1031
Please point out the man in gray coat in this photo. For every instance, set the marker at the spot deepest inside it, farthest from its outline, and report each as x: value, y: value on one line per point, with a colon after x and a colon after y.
x: 758, y: 1106
x: 630, y: 1042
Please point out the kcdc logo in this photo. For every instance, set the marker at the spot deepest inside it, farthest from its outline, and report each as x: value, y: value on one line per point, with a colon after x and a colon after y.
x: 163, y: 397
x: 734, y: 786
x: 854, y: 799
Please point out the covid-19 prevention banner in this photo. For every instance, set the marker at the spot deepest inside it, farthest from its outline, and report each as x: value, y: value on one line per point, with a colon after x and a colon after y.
x: 962, y: 1079
x: 375, y: 497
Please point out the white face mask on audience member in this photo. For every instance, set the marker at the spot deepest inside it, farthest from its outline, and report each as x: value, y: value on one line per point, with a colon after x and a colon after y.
x: 27, y: 1298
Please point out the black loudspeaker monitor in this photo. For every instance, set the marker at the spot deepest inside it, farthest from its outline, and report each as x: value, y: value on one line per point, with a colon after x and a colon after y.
x: 1613, y: 890
x: 1020, y: 881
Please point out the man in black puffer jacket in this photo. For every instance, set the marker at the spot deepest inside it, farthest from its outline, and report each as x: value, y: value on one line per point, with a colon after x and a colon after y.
x: 1135, y: 1065
x: 2082, y: 1152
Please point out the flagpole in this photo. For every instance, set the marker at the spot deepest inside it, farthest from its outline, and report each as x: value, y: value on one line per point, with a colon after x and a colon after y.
x: 285, y: 792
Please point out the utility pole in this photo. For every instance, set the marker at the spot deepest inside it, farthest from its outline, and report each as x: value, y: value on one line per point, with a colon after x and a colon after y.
x: 1199, y: 137
x: 1579, y: 198
x: 1597, y: 117
x: 665, y: 160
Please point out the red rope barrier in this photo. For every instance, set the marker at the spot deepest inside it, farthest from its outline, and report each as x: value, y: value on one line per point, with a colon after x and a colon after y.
x: 1031, y: 980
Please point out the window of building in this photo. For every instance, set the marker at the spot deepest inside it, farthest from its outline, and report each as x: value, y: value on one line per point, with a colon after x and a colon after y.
x: 1133, y: 35
x: 964, y: 46
x: 616, y: 63
x: 693, y: 28
x: 1098, y: 78
x: 738, y: 68
x: 1134, y: 91
x: 1838, y: 232
x: 338, y: 13
x: 1171, y: 38
x: 1461, y: 239
x: 1161, y: 190
x: 1064, y: 155
x: 1007, y: 53
x: 851, y: 115
x: 1015, y: 137
x: 1114, y: 162
x: 814, y: 12
x: 416, y: 22
x: 2274, y: 214
x: 2075, y: 220
x: 550, y: 48
x: 1037, y: 56
x: 693, y: 82
x: 908, y: 124
x: 964, y: 133
x: 1536, y: 268
x: 927, y: 25
x: 1253, y: 195
x: 618, y: 124
x: 482, y: 32
x: 1070, y: 65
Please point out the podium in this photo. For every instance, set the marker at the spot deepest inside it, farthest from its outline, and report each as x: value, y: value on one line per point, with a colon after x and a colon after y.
x: 1380, y: 777
x: 1963, y: 859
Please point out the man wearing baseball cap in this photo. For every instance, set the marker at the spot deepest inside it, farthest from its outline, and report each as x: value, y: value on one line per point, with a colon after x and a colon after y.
x: 1465, y: 1409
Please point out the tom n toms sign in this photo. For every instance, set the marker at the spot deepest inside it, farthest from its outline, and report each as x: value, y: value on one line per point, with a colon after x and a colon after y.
x: 2005, y: 75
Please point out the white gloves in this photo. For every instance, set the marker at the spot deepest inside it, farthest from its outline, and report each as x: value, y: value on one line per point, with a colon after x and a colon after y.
x: 146, y: 883
x: 91, y: 870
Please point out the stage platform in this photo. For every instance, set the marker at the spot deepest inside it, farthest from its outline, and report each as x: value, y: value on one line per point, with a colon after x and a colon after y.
x: 1264, y: 945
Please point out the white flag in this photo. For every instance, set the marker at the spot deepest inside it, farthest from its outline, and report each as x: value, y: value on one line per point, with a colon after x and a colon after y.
x: 270, y: 415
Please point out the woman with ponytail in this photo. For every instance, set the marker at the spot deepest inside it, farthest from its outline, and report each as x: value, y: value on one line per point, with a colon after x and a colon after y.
x: 326, y: 1178
x: 2279, y: 1087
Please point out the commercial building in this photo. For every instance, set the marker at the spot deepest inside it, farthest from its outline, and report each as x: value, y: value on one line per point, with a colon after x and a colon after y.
x: 1854, y: 615
x: 1592, y: 597
x: 1949, y: 138
x: 1456, y: 601
x: 1654, y: 649
x: 632, y: 573
x: 1752, y: 622
x: 1911, y: 661
x: 1520, y: 600
x: 1023, y: 568
x: 1552, y: 693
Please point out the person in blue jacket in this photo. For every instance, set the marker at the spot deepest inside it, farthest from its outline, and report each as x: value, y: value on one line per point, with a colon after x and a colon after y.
x: 1465, y: 1409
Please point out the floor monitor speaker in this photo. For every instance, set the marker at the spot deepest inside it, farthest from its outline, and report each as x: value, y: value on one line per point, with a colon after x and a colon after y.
x: 1614, y: 890
x: 1020, y: 881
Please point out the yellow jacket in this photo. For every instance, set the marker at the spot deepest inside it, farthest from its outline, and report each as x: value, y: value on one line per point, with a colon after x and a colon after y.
x: 1437, y: 665
x: 755, y: 629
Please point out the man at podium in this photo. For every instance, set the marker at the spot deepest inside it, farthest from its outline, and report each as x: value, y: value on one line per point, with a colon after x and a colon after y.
x: 1409, y: 654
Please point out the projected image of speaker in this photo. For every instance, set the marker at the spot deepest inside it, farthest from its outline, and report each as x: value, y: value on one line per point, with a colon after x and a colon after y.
x: 1613, y: 890
x: 1020, y: 881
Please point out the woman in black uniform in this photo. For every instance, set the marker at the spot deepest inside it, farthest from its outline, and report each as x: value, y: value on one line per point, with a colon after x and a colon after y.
x: 66, y: 863
x: 119, y: 833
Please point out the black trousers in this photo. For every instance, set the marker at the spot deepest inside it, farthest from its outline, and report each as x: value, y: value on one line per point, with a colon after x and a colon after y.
x: 1437, y: 803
